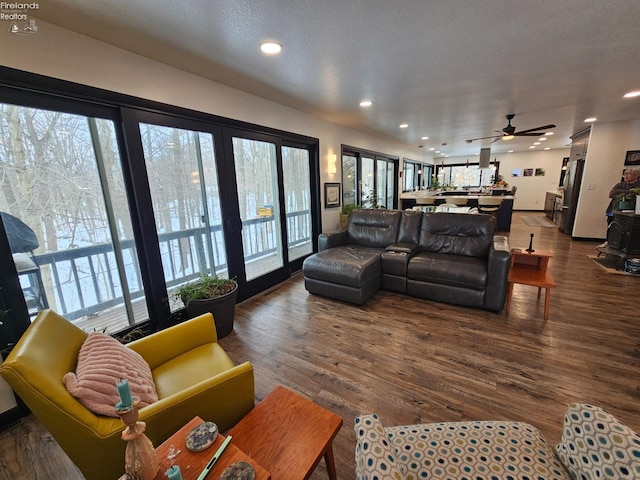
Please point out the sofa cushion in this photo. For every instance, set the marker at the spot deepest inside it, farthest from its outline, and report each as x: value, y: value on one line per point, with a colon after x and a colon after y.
x: 374, y: 227
x: 452, y: 270
x: 474, y: 450
x: 457, y: 234
x: 349, y: 265
x: 410, y: 227
x: 595, y: 445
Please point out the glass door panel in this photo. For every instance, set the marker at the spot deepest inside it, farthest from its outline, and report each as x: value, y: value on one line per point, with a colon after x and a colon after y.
x: 183, y: 181
x: 66, y: 215
x: 297, y: 197
x: 391, y: 180
x: 381, y: 183
x: 349, y: 180
x: 367, y: 185
x: 259, y: 206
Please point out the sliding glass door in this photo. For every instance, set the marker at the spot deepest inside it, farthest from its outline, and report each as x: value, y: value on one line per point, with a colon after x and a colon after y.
x: 65, y: 212
x: 183, y: 181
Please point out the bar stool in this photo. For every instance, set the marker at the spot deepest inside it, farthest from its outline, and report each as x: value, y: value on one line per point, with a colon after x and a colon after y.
x: 489, y: 205
x: 458, y: 202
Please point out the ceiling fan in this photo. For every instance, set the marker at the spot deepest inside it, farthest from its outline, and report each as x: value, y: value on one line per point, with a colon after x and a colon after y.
x: 509, y: 131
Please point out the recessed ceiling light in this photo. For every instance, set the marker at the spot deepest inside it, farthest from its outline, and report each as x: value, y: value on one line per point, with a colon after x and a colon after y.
x: 432, y: 149
x: 536, y: 143
x: 549, y: 133
x: 437, y: 151
x: 424, y: 138
x: 532, y: 146
x: 271, y: 48
x: 403, y: 125
x: 366, y: 103
x: 543, y: 139
x: 510, y: 151
x: 590, y: 119
x: 547, y: 148
x: 635, y: 93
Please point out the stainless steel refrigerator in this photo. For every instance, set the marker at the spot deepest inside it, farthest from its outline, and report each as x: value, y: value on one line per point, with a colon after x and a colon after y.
x: 571, y: 188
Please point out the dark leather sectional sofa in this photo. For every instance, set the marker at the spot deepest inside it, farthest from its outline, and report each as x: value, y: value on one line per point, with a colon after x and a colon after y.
x: 446, y: 257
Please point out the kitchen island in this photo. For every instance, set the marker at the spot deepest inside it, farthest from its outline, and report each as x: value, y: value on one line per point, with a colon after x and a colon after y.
x: 503, y: 215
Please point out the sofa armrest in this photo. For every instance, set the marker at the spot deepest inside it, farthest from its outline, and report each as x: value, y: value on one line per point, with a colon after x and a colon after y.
x: 375, y: 457
x: 498, y: 273
x: 330, y: 240
x: 401, y: 247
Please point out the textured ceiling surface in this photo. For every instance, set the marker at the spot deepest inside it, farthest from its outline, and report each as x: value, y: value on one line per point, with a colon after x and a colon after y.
x: 451, y: 69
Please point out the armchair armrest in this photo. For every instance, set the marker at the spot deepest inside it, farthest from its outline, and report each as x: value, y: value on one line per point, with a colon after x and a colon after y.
x: 498, y: 272
x: 375, y: 456
x: 330, y: 240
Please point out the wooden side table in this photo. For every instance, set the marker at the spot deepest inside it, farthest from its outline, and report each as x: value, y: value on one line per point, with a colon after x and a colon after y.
x: 288, y: 435
x: 191, y: 464
x: 530, y: 268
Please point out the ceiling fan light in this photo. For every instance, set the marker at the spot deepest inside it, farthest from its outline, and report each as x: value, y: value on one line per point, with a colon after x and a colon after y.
x: 507, y: 137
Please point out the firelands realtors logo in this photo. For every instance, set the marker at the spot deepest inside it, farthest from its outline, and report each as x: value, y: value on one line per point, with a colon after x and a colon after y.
x: 17, y: 14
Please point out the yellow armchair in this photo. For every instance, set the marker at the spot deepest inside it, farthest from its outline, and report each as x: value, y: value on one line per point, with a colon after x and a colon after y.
x: 193, y: 376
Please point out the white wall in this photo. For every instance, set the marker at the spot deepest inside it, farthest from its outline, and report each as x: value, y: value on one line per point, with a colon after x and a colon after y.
x: 531, y: 191
x: 60, y: 53
x: 608, y: 145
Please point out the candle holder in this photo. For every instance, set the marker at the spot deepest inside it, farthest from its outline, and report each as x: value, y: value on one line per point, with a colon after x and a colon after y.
x: 530, y: 249
x: 140, y: 460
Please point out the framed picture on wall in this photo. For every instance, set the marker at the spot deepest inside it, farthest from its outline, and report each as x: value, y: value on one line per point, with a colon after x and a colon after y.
x: 331, y: 195
x: 632, y: 157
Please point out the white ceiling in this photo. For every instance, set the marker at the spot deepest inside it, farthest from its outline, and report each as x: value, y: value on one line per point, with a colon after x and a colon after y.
x: 451, y: 69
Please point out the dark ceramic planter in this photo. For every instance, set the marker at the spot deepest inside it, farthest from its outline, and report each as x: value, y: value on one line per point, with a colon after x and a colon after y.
x: 222, y: 308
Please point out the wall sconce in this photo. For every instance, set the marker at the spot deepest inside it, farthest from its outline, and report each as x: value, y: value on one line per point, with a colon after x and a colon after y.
x: 332, y: 160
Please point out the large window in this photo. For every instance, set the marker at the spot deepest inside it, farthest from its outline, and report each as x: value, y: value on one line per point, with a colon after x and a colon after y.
x: 466, y: 175
x: 66, y: 216
x: 369, y: 179
x: 110, y: 202
x: 416, y: 175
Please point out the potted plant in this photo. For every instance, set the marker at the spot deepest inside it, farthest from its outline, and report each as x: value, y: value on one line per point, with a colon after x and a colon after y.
x: 345, y: 213
x: 211, y: 294
x: 628, y: 200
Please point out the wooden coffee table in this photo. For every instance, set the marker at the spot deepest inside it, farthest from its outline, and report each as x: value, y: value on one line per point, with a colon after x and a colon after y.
x: 288, y: 435
x: 191, y: 464
x: 531, y: 268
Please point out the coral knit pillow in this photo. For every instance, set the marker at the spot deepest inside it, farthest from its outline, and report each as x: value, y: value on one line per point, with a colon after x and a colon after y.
x: 102, y: 361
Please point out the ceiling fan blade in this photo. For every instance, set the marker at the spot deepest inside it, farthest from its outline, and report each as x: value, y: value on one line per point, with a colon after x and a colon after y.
x: 544, y: 127
x: 483, y: 138
x: 532, y: 134
x: 496, y: 139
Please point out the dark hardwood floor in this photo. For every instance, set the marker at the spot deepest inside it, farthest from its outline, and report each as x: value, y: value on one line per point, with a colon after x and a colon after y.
x: 411, y: 360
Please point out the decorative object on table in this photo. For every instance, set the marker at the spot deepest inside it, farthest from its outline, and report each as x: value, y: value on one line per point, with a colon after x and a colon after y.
x: 211, y: 294
x: 331, y: 195
x: 140, y: 461
x: 530, y: 249
x: 238, y: 471
x: 174, y: 473
x: 215, y: 458
x: 202, y: 437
